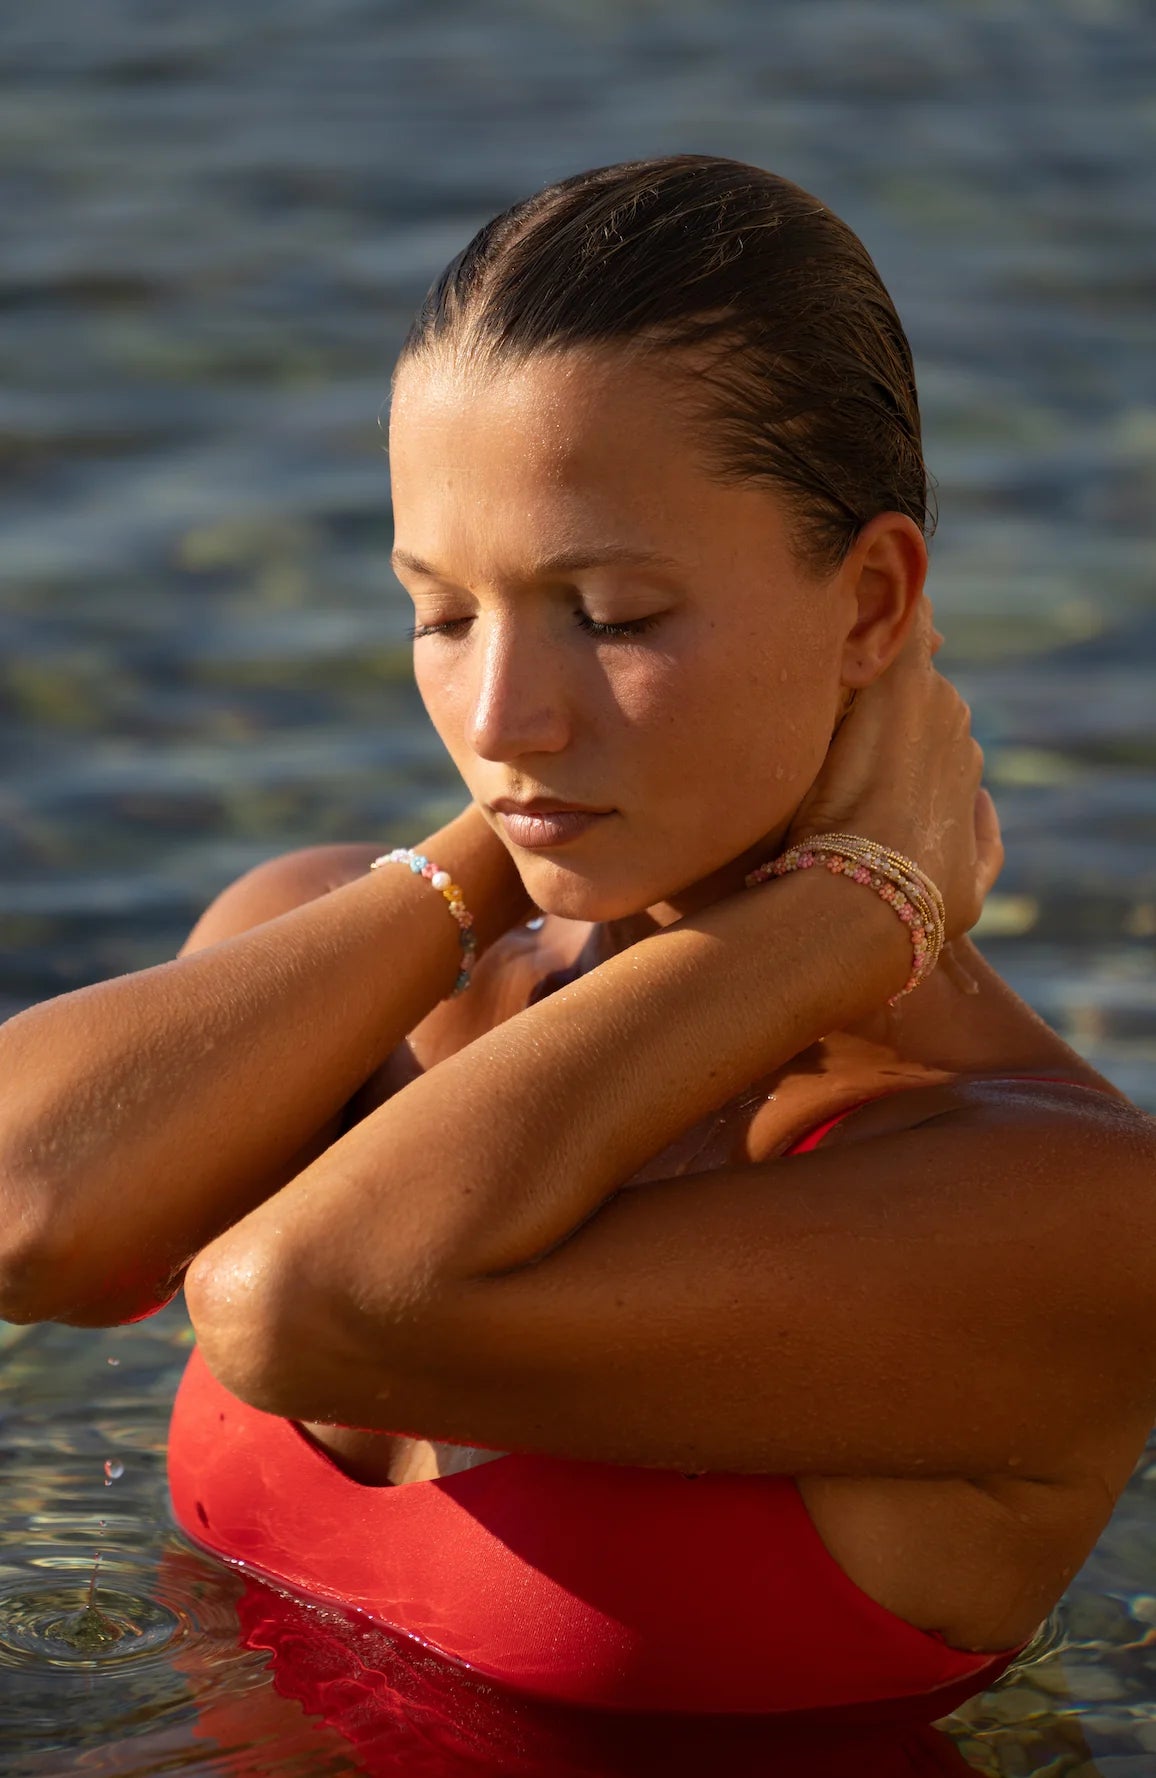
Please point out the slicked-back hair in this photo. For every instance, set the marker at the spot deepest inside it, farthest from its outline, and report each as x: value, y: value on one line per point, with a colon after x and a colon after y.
x: 796, y: 368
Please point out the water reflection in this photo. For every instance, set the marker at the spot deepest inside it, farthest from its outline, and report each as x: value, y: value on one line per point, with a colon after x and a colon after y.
x: 405, y: 1713
x: 277, y: 1684
x: 216, y: 1674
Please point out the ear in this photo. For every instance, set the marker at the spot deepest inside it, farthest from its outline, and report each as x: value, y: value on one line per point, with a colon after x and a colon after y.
x: 881, y: 580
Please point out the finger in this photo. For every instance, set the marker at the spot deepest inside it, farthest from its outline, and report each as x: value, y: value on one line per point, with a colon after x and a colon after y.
x: 987, y: 828
x: 917, y: 646
x: 989, y: 852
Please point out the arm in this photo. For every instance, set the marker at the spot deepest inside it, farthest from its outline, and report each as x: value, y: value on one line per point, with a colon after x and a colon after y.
x: 804, y: 1315
x: 464, y: 1265
x: 143, y: 1115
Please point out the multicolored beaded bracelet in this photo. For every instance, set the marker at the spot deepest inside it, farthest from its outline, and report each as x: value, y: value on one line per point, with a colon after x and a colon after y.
x: 899, y: 881
x: 442, y: 881
x: 874, y: 855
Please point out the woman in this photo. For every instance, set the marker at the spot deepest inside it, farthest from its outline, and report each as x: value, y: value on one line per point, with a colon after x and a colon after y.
x: 829, y: 1412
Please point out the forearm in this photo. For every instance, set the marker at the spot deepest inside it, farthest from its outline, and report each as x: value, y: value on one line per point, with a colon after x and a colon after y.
x: 506, y: 1147
x: 143, y: 1115
x: 568, y: 1100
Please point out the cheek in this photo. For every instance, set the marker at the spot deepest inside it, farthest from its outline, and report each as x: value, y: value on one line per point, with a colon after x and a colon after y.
x: 445, y: 699
x: 745, y: 724
x: 729, y: 755
x: 716, y: 741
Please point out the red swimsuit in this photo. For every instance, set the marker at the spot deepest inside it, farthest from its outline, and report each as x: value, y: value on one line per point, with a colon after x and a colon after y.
x: 590, y: 1583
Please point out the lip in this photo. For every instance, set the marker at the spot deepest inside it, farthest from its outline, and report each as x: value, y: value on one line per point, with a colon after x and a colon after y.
x: 544, y: 805
x: 541, y: 830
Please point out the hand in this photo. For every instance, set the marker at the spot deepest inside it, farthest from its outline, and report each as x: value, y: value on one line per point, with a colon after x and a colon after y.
x: 903, y: 769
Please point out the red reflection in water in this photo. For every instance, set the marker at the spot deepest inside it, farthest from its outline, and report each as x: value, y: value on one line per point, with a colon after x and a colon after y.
x: 407, y: 1713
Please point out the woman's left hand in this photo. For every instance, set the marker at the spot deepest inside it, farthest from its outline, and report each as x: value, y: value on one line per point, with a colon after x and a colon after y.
x: 903, y: 769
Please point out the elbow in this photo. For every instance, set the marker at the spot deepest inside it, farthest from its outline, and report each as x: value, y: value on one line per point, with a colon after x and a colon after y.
x: 39, y: 1285
x: 50, y: 1272
x: 31, y: 1215
x: 32, y: 1220
x: 22, y: 1297
x: 279, y: 1344
x: 256, y: 1333
x: 27, y: 1264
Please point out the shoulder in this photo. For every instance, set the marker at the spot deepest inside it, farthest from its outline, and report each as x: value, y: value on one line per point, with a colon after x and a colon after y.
x: 1062, y: 1164
x: 1065, y: 1163
x: 1056, y: 1140
x: 503, y: 980
x: 276, y: 886
x: 1083, y: 1108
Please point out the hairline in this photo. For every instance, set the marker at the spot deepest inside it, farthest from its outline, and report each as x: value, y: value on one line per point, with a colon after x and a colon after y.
x: 691, y: 365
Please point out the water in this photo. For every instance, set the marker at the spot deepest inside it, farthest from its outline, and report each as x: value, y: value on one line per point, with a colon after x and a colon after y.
x: 217, y: 223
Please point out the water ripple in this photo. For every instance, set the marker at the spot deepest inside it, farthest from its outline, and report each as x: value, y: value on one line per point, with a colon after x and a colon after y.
x: 68, y: 1626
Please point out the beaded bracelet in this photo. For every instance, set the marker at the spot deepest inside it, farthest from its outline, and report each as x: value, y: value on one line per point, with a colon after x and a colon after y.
x: 903, y: 872
x: 878, y: 849
x: 441, y: 880
x: 897, y: 880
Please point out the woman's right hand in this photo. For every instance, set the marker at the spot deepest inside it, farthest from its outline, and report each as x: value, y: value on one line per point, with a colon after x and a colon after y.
x: 904, y: 769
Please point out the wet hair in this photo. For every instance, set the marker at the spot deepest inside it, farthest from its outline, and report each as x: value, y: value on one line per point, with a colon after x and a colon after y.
x: 799, y: 373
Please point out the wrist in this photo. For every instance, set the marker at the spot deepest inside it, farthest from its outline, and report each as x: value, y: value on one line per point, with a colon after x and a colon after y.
x: 829, y: 948
x: 480, y: 864
x: 867, y: 947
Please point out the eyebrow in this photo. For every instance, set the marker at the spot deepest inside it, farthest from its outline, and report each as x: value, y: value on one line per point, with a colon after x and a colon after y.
x: 611, y: 555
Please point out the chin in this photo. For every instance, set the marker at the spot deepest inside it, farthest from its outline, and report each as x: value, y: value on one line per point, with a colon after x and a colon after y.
x: 585, y: 903
x: 569, y: 896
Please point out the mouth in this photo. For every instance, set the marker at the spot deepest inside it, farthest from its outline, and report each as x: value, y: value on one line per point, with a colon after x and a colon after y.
x: 537, y: 828
x: 544, y: 805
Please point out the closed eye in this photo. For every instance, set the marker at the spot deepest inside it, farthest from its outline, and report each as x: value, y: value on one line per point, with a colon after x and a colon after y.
x: 455, y: 626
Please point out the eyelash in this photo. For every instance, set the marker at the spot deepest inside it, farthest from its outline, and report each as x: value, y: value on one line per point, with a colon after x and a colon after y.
x: 417, y: 631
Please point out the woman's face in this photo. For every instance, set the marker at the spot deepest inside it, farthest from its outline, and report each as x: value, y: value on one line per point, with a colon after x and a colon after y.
x: 702, y: 729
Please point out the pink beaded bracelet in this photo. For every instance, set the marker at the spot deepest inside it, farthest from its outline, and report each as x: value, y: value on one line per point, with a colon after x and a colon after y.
x: 897, y: 880
x: 442, y: 881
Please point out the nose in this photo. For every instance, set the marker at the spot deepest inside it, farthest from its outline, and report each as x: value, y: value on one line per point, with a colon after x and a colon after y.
x: 518, y: 702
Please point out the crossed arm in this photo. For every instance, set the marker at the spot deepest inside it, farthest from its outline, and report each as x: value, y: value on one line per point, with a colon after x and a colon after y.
x: 958, y: 1297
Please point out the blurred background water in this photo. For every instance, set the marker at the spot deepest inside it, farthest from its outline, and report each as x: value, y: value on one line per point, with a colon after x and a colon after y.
x: 216, y: 223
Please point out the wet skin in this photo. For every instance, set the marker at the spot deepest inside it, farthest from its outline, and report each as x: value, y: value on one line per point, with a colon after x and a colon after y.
x: 758, y: 653
x: 496, y: 481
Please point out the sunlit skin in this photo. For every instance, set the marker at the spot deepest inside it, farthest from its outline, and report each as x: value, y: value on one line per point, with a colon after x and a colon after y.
x: 703, y: 731
x: 570, y: 1217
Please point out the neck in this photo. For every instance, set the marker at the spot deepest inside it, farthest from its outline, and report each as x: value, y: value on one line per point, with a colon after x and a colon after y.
x: 891, y: 1029
x: 608, y: 937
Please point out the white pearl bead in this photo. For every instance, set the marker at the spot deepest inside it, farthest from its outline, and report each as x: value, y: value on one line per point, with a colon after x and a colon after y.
x: 441, y: 879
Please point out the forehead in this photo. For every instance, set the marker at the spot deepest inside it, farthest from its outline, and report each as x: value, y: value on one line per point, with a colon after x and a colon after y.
x: 558, y: 415
x: 567, y: 449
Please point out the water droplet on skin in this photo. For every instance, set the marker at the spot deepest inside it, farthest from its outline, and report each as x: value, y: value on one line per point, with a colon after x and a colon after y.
x: 780, y: 771
x: 113, y: 1470
x: 783, y: 676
